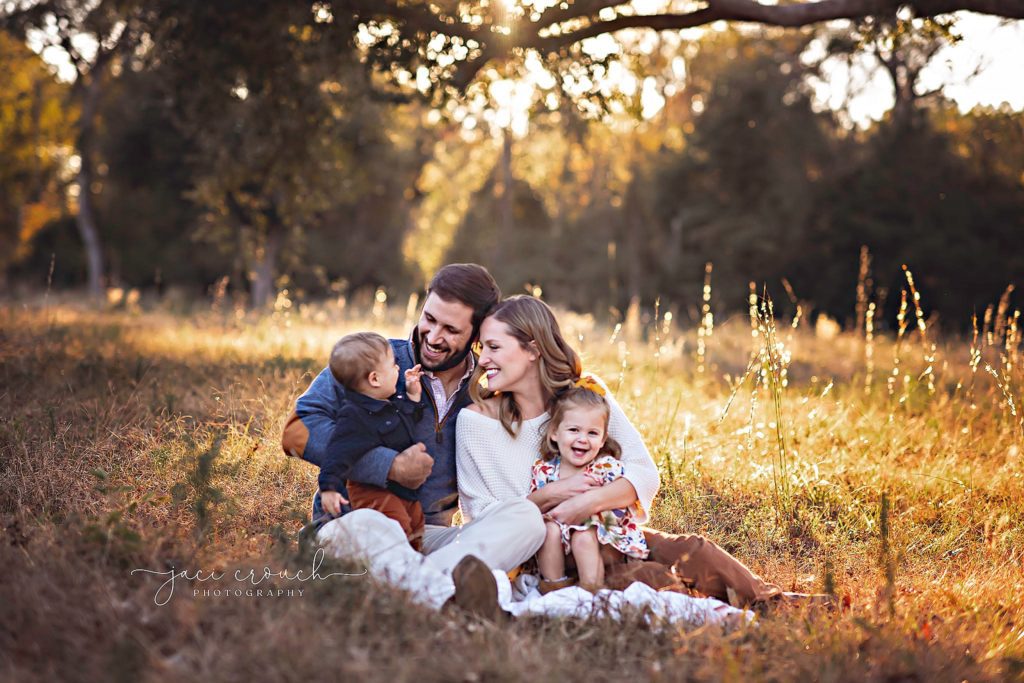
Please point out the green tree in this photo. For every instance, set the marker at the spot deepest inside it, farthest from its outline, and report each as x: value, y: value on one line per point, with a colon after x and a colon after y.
x: 35, y: 145
x: 455, y: 41
x: 914, y: 198
x: 742, y: 193
x: 295, y: 167
x: 97, y: 39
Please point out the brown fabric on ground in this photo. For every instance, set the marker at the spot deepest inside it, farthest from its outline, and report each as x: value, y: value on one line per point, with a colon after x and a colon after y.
x: 655, y: 574
x: 408, y: 513
x: 681, y: 562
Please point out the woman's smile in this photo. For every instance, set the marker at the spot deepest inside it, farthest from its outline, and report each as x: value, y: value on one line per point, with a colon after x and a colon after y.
x: 504, y: 359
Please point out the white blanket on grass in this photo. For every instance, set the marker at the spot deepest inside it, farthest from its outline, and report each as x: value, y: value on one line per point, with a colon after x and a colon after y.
x: 381, y: 544
x: 656, y: 607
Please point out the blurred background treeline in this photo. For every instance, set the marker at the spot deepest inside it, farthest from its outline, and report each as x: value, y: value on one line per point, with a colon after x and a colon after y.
x: 247, y: 147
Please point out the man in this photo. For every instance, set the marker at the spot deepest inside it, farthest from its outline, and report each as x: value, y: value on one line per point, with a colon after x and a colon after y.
x: 458, y: 298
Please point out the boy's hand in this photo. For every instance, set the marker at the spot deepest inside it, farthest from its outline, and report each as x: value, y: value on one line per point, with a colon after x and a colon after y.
x: 331, y: 502
x: 413, y: 385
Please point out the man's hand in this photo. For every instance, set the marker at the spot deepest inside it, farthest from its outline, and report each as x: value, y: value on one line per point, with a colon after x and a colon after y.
x: 411, y: 467
x: 413, y: 385
x: 331, y: 502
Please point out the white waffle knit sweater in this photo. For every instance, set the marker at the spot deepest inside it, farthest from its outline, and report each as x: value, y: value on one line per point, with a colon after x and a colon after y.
x: 493, y: 466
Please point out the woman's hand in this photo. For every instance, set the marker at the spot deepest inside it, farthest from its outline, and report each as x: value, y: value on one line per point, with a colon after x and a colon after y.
x: 575, y: 510
x: 562, y: 490
x: 618, y: 494
x: 570, y: 487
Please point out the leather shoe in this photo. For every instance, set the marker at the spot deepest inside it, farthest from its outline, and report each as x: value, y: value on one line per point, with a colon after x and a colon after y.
x: 476, y: 591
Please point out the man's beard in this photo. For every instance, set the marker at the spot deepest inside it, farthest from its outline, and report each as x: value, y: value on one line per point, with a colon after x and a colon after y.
x: 452, y: 362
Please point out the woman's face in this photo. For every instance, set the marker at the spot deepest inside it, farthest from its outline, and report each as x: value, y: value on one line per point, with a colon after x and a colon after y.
x: 505, y: 362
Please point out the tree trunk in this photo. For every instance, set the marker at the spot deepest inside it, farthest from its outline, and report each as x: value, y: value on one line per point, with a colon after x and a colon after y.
x: 506, y: 218
x: 633, y: 229
x: 263, y: 278
x: 85, y: 219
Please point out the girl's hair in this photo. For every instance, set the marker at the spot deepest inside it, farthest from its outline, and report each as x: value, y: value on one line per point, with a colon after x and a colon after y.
x: 577, y: 397
x: 530, y: 321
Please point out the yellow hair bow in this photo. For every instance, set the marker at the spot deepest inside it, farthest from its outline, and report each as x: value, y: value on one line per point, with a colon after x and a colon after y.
x: 589, y: 382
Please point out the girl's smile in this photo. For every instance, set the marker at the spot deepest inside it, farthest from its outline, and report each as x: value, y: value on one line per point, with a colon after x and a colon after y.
x: 581, y: 435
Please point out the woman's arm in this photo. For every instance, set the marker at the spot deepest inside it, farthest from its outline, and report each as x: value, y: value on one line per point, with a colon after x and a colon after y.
x: 474, y: 494
x: 557, y: 492
x: 640, y: 469
x: 618, y: 494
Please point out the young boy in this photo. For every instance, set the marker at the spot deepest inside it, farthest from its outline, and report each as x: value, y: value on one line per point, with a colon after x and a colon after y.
x: 364, y: 364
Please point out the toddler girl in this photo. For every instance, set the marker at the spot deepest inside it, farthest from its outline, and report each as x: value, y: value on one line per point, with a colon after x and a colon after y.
x: 576, y: 440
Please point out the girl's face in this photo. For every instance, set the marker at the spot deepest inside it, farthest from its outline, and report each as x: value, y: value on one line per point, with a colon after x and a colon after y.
x: 580, y: 435
x: 506, y: 363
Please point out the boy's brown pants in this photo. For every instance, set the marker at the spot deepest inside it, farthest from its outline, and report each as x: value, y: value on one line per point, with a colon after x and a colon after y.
x: 691, y: 561
x: 408, y: 513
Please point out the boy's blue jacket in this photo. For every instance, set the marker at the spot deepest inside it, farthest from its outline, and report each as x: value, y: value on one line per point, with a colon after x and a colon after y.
x: 366, y: 423
x: 311, y: 426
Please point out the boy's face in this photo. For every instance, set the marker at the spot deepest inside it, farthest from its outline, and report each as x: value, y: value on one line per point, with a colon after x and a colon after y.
x: 387, y: 374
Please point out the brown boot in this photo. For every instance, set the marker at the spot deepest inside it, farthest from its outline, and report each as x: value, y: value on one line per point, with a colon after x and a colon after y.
x: 476, y: 591
x: 546, y: 586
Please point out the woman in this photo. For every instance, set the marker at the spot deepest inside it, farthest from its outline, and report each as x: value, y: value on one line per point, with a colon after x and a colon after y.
x: 527, y: 364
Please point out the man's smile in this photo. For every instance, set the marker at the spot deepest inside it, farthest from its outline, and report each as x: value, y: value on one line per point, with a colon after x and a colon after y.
x: 432, y: 352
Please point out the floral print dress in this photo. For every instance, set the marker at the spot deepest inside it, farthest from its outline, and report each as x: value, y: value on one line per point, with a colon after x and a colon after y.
x: 614, y: 527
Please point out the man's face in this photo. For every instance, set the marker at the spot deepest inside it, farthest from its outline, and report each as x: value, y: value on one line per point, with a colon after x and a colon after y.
x: 445, y: 331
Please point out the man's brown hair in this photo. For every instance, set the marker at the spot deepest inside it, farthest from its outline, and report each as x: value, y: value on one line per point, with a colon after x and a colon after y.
x: 469, y: 284
x: 355, y: 356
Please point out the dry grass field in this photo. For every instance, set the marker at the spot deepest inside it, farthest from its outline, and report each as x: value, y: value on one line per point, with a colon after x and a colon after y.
x: 886, y: 470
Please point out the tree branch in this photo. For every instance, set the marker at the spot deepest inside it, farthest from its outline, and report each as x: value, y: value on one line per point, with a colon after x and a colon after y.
x: 416, y: 17
x: 526, y: 34
x: 575, y: 10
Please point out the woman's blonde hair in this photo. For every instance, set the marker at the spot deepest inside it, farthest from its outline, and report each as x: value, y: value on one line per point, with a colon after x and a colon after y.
x: 531, y: 322
x: 577, y: 397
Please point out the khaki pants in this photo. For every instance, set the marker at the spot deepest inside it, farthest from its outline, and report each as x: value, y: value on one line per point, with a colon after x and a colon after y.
x: 689, y: 561
x: 504, y: 536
